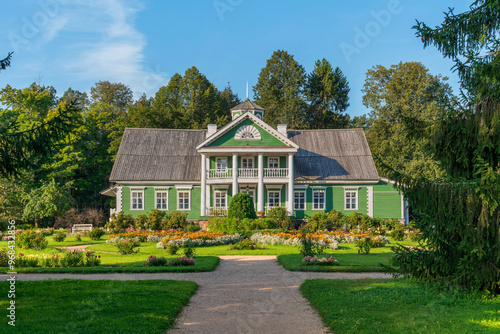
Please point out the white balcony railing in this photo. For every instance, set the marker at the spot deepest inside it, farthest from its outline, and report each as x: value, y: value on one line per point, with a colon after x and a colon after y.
x: 248, y: 172
x: 216, y: 212
x: 276, y: 172
x: 220, y: 173
x: 227, y: 173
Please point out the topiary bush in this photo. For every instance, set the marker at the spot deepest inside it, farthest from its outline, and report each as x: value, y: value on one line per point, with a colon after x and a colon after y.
x: 96, y: 233
x: 241, y: 207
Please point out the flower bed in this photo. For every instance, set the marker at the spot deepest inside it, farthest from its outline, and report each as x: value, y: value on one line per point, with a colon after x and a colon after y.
x: 67, y: 259
x: 199, y: 238
x: 323, y: 261
x: 154, y: 261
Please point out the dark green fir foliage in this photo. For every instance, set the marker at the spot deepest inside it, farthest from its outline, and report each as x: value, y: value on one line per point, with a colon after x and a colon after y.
x: 241, y: 207
x: 460, y: 217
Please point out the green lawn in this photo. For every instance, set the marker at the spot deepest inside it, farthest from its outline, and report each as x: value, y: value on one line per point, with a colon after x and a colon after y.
x: 79, y: 306
x: 348, y: 257
x: 399, y: 306
x: 206, y: 257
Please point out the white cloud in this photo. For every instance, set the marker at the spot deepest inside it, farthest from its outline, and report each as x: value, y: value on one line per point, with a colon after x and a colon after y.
x: 109, y: 47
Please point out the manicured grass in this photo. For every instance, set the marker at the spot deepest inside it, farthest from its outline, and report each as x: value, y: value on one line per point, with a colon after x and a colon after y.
x: 399, y: 306
x: 348, y: 257
x: 79, y: 306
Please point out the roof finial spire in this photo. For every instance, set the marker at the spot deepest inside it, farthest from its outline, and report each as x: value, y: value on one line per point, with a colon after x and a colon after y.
x: 247, y: 89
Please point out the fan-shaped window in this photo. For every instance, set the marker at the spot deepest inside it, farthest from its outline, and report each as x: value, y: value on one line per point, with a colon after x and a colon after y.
x: 247, y: 132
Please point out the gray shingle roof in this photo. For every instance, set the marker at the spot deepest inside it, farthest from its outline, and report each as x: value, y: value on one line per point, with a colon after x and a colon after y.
x: 158, y: 155
x: 333, y: 155
x: 171, y: 155
x: 247, y: 105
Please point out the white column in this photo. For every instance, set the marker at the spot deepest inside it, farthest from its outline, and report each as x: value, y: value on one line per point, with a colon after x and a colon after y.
x: 235, y: 173
x: 203, y: 185
x: 290, y: 183
x: 260, y: 186
x: 370, y: 201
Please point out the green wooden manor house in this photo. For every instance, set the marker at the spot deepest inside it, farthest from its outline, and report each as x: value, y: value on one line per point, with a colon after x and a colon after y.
x: 198, y: 171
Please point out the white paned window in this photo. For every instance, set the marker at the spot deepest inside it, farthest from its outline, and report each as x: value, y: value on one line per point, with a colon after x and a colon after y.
x: 161, y: 200
x: 274, y: 163
x: 273, y: 198
x: 221, y: 163
x: 183, y: 200
x: 247, y: 162
x: 351, y: 199
x: 220, y: 198
x: 318, y: 199
x: 299, y: 200
x: 137, y: 199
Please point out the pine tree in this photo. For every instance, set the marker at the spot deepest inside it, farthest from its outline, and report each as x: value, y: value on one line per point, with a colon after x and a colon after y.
x: 460, y: 218
x: 327, y: 90
x: 280, y: 90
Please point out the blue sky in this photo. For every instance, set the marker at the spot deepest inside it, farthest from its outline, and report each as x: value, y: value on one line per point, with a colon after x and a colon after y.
x: 66, y: 43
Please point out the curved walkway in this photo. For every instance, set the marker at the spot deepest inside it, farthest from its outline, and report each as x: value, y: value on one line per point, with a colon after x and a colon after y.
x: 245, y: 294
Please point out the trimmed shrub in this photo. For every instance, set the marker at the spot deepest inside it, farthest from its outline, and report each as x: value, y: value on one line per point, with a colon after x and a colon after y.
x: 246, y: 244
x: 309, y: 248
x: 96, y: 233
x: 176, y: 221
x: 155, y: 219
x: 30, y: 239
x: 140, y: 221
x: 280, y: 216
x: 127, y: 246
x: 241, y: 207
x: 172, y: 248
x: 59, y: 236
x: 4, y: 258
x: 189, y: 250
x: 120, y: 221
x: 319, y: 221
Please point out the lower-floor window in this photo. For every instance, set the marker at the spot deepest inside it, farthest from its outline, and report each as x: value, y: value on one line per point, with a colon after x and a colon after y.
x: 137, y: 200
x: 220, y: 199
x: 299, y: 200
x: 351, y: 200
x: 318, y: 200
x: 162, y: 200
x: 183, y: 200
x: 273, y: 198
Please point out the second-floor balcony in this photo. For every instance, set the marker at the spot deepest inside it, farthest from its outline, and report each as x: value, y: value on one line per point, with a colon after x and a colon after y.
x: 227, y: 173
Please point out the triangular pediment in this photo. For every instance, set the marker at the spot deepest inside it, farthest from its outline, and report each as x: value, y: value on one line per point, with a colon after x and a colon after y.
x: 247, y: 130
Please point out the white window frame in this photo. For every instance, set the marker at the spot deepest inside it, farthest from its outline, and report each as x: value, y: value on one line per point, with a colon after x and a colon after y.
x: 220, y: 192
x: 269, y: 197
x: 179, y: 191
x: 221, y: 168
x: 356, y: 198
x: 303, y: 192
x: 321, y: 206
x: 136, y: 191
x: 157, y: 192
x: 269, y: 162
x: 247, y: 159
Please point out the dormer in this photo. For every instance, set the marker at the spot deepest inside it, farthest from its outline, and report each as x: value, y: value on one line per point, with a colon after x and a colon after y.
x: 245, y: 106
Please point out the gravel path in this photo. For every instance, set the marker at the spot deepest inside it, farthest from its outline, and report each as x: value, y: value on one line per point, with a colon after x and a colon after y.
x: 245, y: 294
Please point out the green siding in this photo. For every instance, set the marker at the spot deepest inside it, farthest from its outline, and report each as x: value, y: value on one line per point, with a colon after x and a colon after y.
x: 386, y: 200
x: 228, y: 138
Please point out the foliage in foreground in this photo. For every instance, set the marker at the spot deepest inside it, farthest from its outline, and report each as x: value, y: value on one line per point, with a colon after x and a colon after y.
x: 72, y: 305
x: 399, y: 306
x: 460, y: 218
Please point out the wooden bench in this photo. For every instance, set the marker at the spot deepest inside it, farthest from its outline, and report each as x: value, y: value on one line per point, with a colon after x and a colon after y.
x: 81, y: 227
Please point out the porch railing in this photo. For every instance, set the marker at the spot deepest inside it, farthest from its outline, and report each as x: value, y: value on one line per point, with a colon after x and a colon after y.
x: 248, y: 172
x: 216, y: 212
x: 224, y: 173
x: 276, y: 172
